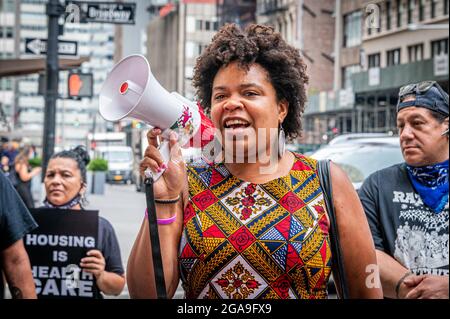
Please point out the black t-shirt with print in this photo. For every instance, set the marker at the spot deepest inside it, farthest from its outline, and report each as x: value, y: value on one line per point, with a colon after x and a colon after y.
x: 15, y: 219
x: 402, y: 225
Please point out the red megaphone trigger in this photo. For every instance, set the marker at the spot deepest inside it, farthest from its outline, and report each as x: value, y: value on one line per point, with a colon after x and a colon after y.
x: 124, y: 88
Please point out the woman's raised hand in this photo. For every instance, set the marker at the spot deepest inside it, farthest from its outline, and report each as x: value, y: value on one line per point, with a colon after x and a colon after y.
x: 171, y: 183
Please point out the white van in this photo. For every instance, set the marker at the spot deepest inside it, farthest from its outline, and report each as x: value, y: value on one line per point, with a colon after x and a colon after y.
x: 120, y: 162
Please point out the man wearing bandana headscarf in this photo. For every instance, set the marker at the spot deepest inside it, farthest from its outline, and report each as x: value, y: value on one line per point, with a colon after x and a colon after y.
x: 407, y: 204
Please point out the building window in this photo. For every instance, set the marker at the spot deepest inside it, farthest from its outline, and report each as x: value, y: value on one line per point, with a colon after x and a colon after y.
x: 8, y: 6
x: 433, y: 8
x: 9, y: 55
x: 189, y: 49
x: 194, y: 49
x: 421, y: 10
x: 347, y: 75
x: 374, y: 60
x: 6, y: 32
x: 399, y: 13
x: 379, y: 22
x: 411, y: 5
x: 191, y: 24
x: 5, y: 84
x: 393, y: 57
x: 445, y: 7
x: 415, y: 53
x: 198, y: 25
x: 188, y: 72
x: 206, y: 25
x: 352, y: 29
x: 388, y: 15
x: 439, y: 47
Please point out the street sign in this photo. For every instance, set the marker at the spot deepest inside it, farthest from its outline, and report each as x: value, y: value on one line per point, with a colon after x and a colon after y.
x: 39, y: 46
x: 346, y: 97
x: 100, y: 12
x: 440, y: 65
x: 374, y: 76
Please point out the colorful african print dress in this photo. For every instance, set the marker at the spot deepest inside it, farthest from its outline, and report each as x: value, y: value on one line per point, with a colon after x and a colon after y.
x: 244, y: 240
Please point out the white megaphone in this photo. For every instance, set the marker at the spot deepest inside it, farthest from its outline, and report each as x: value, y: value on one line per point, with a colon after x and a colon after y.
x: 131, y: 91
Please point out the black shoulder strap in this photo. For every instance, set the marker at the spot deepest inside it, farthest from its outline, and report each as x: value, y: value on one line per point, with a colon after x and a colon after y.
x: 323, y: 170
x: 154, y: 241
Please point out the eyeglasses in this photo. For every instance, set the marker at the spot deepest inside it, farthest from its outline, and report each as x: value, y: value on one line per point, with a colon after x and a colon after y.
x: 420, y: 88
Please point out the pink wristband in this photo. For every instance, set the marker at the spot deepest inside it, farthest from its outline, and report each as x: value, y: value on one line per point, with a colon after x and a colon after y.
x: 163, y: 221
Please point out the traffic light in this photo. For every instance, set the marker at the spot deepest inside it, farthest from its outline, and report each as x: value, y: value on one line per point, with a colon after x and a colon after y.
x: 79, y: 85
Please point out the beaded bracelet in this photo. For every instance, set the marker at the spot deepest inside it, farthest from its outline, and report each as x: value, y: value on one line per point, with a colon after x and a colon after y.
x: 163, y: 221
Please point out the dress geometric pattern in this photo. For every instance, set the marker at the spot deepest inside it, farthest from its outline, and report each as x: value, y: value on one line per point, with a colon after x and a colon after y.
x: 243, y: 240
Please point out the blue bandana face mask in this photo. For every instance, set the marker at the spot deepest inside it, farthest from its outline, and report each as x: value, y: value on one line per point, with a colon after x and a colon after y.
x: 431, y: 182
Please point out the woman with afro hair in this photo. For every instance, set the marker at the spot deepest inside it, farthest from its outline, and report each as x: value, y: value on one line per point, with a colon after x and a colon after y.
x: 252, y: 223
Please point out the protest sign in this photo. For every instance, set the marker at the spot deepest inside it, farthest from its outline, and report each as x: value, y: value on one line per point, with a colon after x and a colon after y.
x: 55, y: 249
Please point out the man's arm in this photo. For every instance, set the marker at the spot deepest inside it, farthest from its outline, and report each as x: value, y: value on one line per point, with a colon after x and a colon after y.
x: 391, y: 272
x: 428, y: 287
x: 16, y: 266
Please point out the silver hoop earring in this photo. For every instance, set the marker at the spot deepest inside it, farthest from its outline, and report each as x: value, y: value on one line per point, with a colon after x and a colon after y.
x: 281, y: 142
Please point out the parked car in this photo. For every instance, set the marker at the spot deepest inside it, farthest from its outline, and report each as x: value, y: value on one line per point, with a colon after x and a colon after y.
x: 362, y: 154
x: 305, y: 149
x: 355, y: 136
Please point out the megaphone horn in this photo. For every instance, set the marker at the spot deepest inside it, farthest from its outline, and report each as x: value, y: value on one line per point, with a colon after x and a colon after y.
x: 131, y: 91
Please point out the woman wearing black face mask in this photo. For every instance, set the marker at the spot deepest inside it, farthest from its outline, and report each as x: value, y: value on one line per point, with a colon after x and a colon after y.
x: 65, y: 186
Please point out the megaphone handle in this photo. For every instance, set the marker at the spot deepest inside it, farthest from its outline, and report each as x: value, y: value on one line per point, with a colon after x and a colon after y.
x: 164, y: 149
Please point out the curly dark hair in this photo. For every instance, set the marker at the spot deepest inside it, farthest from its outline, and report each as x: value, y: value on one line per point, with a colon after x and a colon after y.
x: 262, y: 45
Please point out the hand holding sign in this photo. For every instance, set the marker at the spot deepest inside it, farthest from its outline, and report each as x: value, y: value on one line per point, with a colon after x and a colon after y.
x: 94, y: 263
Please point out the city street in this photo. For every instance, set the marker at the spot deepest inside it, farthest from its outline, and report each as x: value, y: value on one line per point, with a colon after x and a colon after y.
x: 86, y: 86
